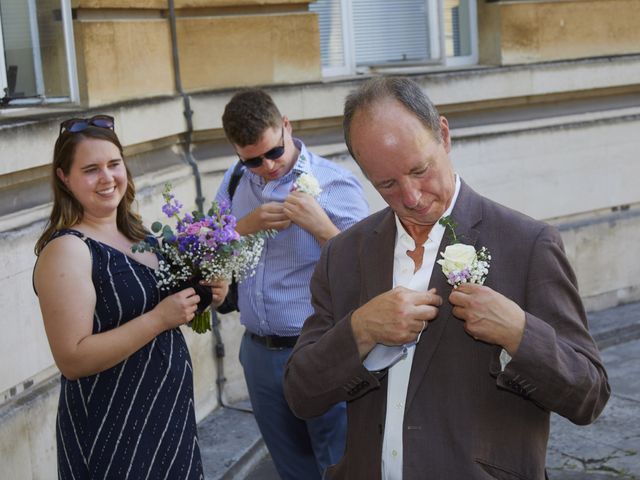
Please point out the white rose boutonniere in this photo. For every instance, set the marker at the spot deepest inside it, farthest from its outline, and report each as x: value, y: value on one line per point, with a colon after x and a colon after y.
x: 462, y: 263
x: 307, y: 183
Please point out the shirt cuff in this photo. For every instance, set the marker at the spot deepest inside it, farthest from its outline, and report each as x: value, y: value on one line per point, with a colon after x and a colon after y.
x: 505, y: 358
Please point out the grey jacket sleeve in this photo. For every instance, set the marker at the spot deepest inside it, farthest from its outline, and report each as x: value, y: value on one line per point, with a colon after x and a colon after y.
x: 325, y: 367
x: 557, y: 364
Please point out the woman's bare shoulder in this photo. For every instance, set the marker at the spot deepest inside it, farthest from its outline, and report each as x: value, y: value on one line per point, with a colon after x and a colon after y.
x: 65, y: 254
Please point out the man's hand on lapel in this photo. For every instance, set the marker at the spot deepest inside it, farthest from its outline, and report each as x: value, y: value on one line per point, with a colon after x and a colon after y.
x: 489, y: 316
x: 395, y: 317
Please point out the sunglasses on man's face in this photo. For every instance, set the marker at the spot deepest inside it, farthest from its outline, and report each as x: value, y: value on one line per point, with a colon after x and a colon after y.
x: 273, y: 154
x: 75, y: 125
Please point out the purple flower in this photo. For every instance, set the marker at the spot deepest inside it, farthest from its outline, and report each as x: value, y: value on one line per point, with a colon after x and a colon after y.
x: 184, y: 244
x: 458, y: 276
x: 226, y: 234
x: 224, y: 206
x: 172, y: 207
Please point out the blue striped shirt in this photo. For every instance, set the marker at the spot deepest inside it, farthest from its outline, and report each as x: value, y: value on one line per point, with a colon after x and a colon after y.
x: 276, y: 300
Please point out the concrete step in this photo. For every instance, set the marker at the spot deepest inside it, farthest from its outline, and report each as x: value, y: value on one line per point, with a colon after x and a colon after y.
x: 616, y: 325
x: 230, y: 443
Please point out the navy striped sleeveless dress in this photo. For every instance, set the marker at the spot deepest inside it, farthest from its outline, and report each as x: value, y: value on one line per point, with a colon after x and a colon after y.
x: 135, y: 420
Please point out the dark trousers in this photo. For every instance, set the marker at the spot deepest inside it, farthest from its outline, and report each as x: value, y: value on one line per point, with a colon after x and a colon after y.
x: 300, y: 449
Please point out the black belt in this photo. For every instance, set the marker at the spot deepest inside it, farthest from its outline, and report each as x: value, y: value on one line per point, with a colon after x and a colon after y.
x: 274, y: 342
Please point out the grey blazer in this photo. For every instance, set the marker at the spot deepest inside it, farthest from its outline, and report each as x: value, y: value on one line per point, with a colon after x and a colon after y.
x: 464, y: 417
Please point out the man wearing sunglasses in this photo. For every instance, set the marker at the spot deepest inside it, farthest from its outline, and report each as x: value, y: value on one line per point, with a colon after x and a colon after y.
x: 275, y: 302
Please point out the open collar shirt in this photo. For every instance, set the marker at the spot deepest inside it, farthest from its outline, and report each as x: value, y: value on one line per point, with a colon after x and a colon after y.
x: 276, y: 300
x: 398, y: 380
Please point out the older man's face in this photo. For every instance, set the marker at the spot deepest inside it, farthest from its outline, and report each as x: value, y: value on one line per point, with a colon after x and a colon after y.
x: 403, y: 161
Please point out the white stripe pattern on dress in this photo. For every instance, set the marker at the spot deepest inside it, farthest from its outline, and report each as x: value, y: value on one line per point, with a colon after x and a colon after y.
x: 73, y: 426
x: 126, y: 418
x: 133, y: 455
x: 175, y: 400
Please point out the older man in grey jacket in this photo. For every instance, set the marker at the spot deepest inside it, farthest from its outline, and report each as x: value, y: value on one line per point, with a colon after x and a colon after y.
x: 441, y: 382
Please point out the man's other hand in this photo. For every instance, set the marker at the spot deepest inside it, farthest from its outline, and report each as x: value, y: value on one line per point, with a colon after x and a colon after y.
x: 393, y: 318
x: 489, y: 316
x: 268, y: 216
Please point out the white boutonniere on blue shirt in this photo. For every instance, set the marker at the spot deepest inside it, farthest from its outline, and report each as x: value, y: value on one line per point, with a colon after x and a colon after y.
x: 307, y: 183
x: 461, y: 263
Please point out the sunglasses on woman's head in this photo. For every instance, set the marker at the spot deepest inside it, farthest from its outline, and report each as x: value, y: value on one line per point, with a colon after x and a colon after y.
x: 273, y: 154
x: 75, y: 125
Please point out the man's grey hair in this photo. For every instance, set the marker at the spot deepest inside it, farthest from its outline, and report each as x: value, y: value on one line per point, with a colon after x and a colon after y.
x: 404, y: 90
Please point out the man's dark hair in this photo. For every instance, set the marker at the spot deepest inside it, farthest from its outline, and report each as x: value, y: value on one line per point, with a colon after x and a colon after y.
x: 404, y: 90
x: 247, y: 115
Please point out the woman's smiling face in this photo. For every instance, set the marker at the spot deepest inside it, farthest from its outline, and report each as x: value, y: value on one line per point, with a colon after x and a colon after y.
x: 97, y: 177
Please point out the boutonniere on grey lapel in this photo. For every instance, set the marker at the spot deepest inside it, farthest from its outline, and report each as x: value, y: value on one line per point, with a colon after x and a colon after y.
x: 462, y: 263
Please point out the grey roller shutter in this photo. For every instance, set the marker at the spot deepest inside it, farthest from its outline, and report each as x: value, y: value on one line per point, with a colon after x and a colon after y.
x: 390, y: 31
x: 331, y: 31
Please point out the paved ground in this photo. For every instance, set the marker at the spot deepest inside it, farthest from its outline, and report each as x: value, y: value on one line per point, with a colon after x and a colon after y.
x: 230, y: 443
x: 265, y: 470
x: 607, y: 449
x: 611, y: 445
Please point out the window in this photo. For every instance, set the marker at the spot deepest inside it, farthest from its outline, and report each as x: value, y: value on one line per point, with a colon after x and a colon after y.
x: 356, y: 34
x: 37, y: 58
x: 334, y: 18
x: 460, y: 32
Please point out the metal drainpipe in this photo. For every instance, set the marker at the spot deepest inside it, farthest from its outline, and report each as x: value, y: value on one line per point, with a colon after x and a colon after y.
x: 186, y: 142
x: 188, y: 113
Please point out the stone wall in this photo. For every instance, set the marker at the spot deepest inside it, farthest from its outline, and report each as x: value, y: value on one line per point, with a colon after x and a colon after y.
x: 124, y: 49
x: 513, y: 32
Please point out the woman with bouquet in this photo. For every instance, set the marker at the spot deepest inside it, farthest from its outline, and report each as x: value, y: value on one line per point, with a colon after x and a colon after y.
x: 126, y: 399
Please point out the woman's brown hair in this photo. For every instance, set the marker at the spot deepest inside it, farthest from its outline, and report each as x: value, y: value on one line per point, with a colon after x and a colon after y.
x: 67, y: 211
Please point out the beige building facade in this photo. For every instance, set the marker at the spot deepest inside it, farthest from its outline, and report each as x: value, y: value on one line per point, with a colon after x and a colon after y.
x: 543, y: 98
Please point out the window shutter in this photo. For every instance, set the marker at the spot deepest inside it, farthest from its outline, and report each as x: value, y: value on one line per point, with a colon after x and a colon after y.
x: 331, y: 32
x: 390, y: 31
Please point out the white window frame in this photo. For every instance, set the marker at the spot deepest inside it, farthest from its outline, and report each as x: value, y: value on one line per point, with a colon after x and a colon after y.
x: 347, y: 44
x: 435, y: 9
x: 72, y: 73
x: 472, y: 58
x: 35, y: 42
x: 3, y: 66
x: 436, y: 34
x: 70, y: 49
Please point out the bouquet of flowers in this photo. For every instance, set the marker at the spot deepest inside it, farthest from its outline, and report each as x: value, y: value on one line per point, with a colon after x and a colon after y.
x: 461, y: 263
x: 203, y: 247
